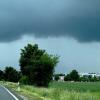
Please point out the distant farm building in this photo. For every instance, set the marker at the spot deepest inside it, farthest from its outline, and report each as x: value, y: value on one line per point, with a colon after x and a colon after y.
x: 86, y: 75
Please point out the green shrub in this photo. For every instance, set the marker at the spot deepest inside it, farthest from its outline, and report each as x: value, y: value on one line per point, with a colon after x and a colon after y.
x: 24, y: 80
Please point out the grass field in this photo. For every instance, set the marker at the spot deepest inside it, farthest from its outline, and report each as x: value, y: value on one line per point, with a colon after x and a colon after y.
x: 61, y: 91
x: 77, y: 86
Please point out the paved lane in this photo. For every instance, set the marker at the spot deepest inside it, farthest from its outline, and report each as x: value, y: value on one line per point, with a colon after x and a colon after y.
x: 5, y: 95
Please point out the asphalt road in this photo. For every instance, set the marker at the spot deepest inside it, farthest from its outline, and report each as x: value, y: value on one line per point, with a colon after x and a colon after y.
x: 5, y: 94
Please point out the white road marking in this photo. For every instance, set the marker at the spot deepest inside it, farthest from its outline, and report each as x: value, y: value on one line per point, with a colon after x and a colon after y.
x: 10, y: 93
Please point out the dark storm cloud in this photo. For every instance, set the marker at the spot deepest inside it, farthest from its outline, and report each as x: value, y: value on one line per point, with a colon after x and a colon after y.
x: 79, y: 19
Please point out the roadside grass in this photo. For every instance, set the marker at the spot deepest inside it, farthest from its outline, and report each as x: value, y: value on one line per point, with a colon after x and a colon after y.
x: 60, y: 91
x: 26, y: 95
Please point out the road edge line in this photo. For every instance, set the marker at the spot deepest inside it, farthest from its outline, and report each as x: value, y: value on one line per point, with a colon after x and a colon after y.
x: 10, y: 93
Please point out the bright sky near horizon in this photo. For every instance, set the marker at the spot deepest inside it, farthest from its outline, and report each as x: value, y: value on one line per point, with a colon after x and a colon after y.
x: 68, y: 28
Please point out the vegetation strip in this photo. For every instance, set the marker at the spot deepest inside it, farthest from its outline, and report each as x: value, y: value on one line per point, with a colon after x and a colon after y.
x: 61, y: 91
x: 35, y: 94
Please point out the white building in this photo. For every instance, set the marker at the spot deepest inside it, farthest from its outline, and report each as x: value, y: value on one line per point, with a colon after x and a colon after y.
x: 89, y: 74
x: 61, y: 78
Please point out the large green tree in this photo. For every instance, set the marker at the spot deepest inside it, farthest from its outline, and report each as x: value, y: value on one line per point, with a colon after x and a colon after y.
x: 37, y: 65
x: 74, y: 76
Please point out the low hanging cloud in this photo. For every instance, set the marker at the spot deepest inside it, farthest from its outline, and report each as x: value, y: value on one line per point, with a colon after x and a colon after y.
x: 79, y: 19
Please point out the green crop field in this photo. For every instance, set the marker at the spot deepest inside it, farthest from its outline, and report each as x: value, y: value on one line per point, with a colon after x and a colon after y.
x: 61, y: 91
x: 77, y: 86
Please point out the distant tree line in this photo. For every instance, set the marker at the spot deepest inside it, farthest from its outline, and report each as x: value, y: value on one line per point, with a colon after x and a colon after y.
x: 74, y: 76
x: 10, y: 74
x: 89, y: 79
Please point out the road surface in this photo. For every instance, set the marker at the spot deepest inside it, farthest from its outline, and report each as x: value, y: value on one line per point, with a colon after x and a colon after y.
x: 5, y: 94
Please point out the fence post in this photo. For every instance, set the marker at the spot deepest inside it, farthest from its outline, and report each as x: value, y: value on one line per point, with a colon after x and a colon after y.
x: 18, y: 86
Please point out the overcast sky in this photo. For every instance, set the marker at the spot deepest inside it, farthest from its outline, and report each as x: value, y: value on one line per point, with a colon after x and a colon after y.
x: 68, y: 28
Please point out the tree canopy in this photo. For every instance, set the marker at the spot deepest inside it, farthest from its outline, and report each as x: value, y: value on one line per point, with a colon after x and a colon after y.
x: 37, y: 64
x: 11, y: 74
x: 74, y: 75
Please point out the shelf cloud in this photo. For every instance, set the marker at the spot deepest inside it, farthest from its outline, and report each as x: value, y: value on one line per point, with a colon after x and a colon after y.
x: 79, y: 19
